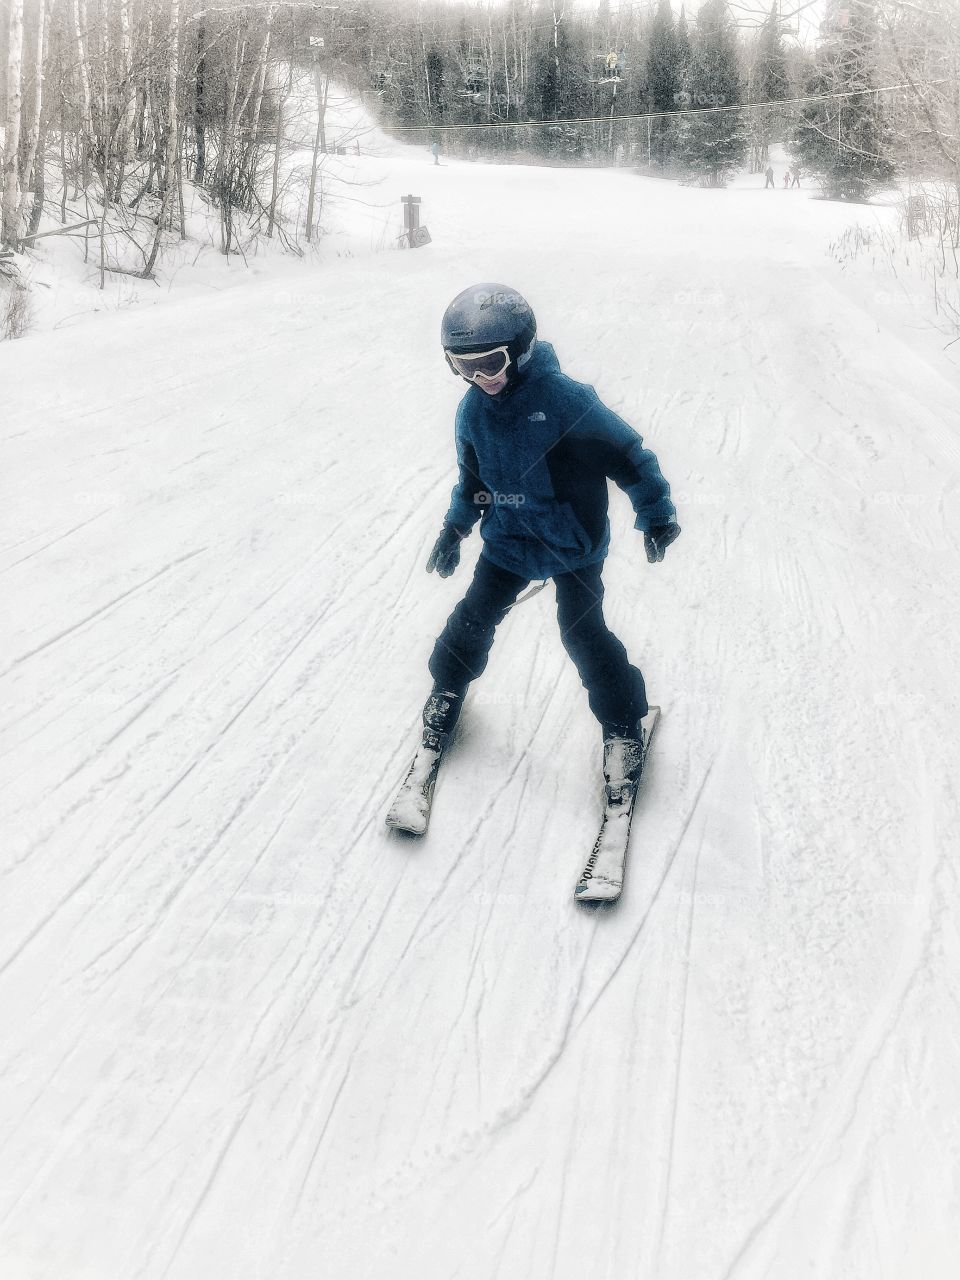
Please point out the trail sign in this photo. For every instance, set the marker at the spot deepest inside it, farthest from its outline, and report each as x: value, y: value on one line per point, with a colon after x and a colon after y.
x: 415, y: 235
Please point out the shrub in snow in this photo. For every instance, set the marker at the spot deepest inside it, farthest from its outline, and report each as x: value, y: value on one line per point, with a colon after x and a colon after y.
x: 16, y: 310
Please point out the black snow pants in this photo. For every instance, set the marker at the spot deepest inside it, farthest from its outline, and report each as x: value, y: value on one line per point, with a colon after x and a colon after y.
x: 615, y: 689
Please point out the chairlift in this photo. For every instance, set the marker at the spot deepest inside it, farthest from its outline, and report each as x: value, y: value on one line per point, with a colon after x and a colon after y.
x: 612, y: 69
x: 475, y: 74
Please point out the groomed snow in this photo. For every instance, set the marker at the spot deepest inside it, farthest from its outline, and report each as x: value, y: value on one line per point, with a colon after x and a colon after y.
x: 250, y: 1034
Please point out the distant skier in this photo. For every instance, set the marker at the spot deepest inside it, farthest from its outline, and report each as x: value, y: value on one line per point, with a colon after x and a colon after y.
x: 435, y: 149
x: 535, y: 451
x: 796, y: 178
x: 769, y: 176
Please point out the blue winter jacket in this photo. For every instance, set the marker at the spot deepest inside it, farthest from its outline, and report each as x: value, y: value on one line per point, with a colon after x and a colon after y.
x: 534, y: 463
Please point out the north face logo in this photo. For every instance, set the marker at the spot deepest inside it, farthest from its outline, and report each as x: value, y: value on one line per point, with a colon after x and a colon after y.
x: 537, y: 417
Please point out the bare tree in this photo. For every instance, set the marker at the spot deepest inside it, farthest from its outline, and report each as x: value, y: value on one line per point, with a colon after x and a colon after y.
x: 170, y: 163
x: 85, y: 136
x: 278, y: 143
x: 10, y: 221
x: 30, y: 127
x: 319, y: 143
x: 925, y: 45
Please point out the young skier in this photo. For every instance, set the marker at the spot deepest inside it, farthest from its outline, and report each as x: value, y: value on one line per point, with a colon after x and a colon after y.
x: 535, y: 451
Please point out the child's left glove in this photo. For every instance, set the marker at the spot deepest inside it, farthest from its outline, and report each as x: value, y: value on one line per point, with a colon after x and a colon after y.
x: 657, y: 540
x: 445, y: 555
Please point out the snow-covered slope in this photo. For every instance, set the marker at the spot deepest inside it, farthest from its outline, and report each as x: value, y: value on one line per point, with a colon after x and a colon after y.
x: 247, y: 1033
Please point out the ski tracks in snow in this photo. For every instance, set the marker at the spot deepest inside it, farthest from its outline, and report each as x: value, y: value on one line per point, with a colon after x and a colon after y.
x: 254, y: 1034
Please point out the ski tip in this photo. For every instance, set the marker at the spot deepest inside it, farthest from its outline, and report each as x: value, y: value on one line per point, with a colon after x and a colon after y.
x: 596, y: 891
x: 408, y: 828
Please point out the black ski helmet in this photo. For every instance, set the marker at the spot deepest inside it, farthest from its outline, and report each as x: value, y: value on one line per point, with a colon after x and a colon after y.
x: 486, y: 316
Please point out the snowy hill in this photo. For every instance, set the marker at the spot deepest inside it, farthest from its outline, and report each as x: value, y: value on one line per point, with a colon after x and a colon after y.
x: 250, y: 1034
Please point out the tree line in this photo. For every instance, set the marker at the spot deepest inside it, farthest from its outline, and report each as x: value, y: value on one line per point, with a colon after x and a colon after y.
x: 120, y: 102
x: 110, y: 106
x: 445, y: 70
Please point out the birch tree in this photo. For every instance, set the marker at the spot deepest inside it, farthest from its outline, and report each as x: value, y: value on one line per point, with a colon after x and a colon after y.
x: 30, y: 129
x: 170, y: 164
x: 10, y: 221
x: 129, y: 100
x: 86, y: 125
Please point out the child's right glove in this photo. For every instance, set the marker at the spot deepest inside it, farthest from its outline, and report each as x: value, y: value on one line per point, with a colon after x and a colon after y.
x: 445, y: 555
x: 657, y: 540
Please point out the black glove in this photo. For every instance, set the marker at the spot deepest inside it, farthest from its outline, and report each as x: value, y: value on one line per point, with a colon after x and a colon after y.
x: 445, y: 555
x: 657, y: 540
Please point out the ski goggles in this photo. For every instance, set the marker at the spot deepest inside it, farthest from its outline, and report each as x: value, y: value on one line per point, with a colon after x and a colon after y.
x: 488, y: 364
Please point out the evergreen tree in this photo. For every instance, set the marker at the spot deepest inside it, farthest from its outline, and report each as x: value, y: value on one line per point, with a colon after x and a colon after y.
x: 435, y: 84
x: 561, y: 89
x: 713, y: 144
x: 770, y: 84
x: 684, y: 56
x: 684, y: 48
x: 664, y: 80
x: 846, y: 140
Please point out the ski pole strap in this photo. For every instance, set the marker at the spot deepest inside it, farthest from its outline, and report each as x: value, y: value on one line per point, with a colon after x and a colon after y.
x: 527, y: 595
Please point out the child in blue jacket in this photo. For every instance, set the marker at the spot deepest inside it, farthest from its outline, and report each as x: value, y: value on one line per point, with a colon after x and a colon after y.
x: 535, y: 451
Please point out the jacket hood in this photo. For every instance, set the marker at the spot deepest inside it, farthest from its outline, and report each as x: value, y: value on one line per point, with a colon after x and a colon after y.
x: 543, y: 362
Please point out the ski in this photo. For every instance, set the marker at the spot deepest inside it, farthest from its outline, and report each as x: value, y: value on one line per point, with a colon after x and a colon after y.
x: 410, y: 810
x: 602, y: 877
